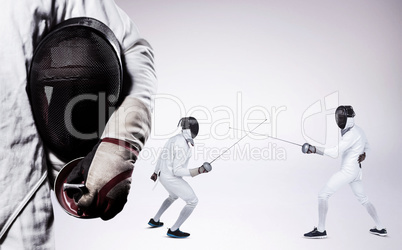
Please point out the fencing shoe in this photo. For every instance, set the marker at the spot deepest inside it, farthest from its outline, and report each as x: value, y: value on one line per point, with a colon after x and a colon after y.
x: 177, y: 234
x: 315, y: 234
x: 382, y: 232
x: 153, y: 223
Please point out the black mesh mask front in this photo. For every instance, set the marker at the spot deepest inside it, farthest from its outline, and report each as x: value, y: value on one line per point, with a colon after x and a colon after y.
x: 74, y: 84
x: 341, y: 115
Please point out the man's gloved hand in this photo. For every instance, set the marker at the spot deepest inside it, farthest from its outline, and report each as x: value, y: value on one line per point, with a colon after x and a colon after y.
x: 205, y: 168
x: 106, y: 170
x: 107, y: 174
x: 310, y: 149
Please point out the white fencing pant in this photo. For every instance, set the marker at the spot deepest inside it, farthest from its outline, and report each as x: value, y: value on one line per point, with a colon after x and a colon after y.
x: 339, y: 179
x: 177, y: 188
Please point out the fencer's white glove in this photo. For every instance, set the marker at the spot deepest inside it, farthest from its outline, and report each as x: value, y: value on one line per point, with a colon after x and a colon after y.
x: 107, y: 169
x: 310, y: 149
x: 205, y: 168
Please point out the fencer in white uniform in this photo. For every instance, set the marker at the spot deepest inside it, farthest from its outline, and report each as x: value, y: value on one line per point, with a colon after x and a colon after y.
x: 26, y: 215
x: 171, y: 168
x: 352, y: 147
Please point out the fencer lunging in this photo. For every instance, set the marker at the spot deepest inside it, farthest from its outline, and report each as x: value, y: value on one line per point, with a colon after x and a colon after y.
x: 171, y: 168
x: 352, y: 147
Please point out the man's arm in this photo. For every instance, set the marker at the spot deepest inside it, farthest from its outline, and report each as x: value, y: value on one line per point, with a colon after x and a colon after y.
x: 345, y: 143
x: 131, y: 122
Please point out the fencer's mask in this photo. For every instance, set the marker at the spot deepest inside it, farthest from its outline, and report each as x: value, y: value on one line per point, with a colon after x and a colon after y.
x: 190, y: 123
x: 74, y: 83
x: 341, y: 115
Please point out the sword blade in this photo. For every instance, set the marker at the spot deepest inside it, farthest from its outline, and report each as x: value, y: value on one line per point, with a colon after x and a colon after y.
x: 276, y: 138
x: 236, y: 142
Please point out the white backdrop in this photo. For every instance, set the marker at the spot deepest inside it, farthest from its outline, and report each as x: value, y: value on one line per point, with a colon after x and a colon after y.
x: 235, y: 63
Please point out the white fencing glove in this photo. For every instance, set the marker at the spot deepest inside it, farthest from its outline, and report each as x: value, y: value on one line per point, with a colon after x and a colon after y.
x: 205, y: 168
x: 310, y: 149
x: 107, y: 170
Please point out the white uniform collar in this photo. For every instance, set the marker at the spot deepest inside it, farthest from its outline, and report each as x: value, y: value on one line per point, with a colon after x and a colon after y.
x: 187, y: 135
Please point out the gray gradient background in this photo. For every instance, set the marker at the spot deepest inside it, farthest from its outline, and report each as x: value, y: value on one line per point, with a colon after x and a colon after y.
x: 260, y: 55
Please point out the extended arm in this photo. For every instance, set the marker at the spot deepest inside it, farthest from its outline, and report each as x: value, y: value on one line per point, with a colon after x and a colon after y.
x: 343, y: 145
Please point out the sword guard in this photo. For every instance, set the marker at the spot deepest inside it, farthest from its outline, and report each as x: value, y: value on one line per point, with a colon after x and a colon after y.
x: 78, y: 189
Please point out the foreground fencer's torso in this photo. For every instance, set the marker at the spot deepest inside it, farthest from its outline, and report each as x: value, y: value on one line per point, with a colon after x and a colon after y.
x: 174, y: 156
x: 23, y: 24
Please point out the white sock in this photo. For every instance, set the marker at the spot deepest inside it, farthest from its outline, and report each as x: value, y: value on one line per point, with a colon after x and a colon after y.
x: 165, y: 205
x: 373, y: 213
x: 322, y: 214
x: 184, y: 214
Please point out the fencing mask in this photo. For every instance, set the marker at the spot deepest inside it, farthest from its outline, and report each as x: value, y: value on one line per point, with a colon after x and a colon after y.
x: 74, y: 83
x: 341, y: 115
x: 190, y: 123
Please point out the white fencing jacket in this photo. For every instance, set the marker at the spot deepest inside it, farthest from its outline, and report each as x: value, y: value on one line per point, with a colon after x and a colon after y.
x: 353, y: 143
x: 174, y: 158
x: 23, y: 23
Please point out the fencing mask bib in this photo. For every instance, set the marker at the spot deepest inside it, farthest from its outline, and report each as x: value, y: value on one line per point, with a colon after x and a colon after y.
x: 341, y: 115
x: 74, y: 83
x: 190, y: 123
